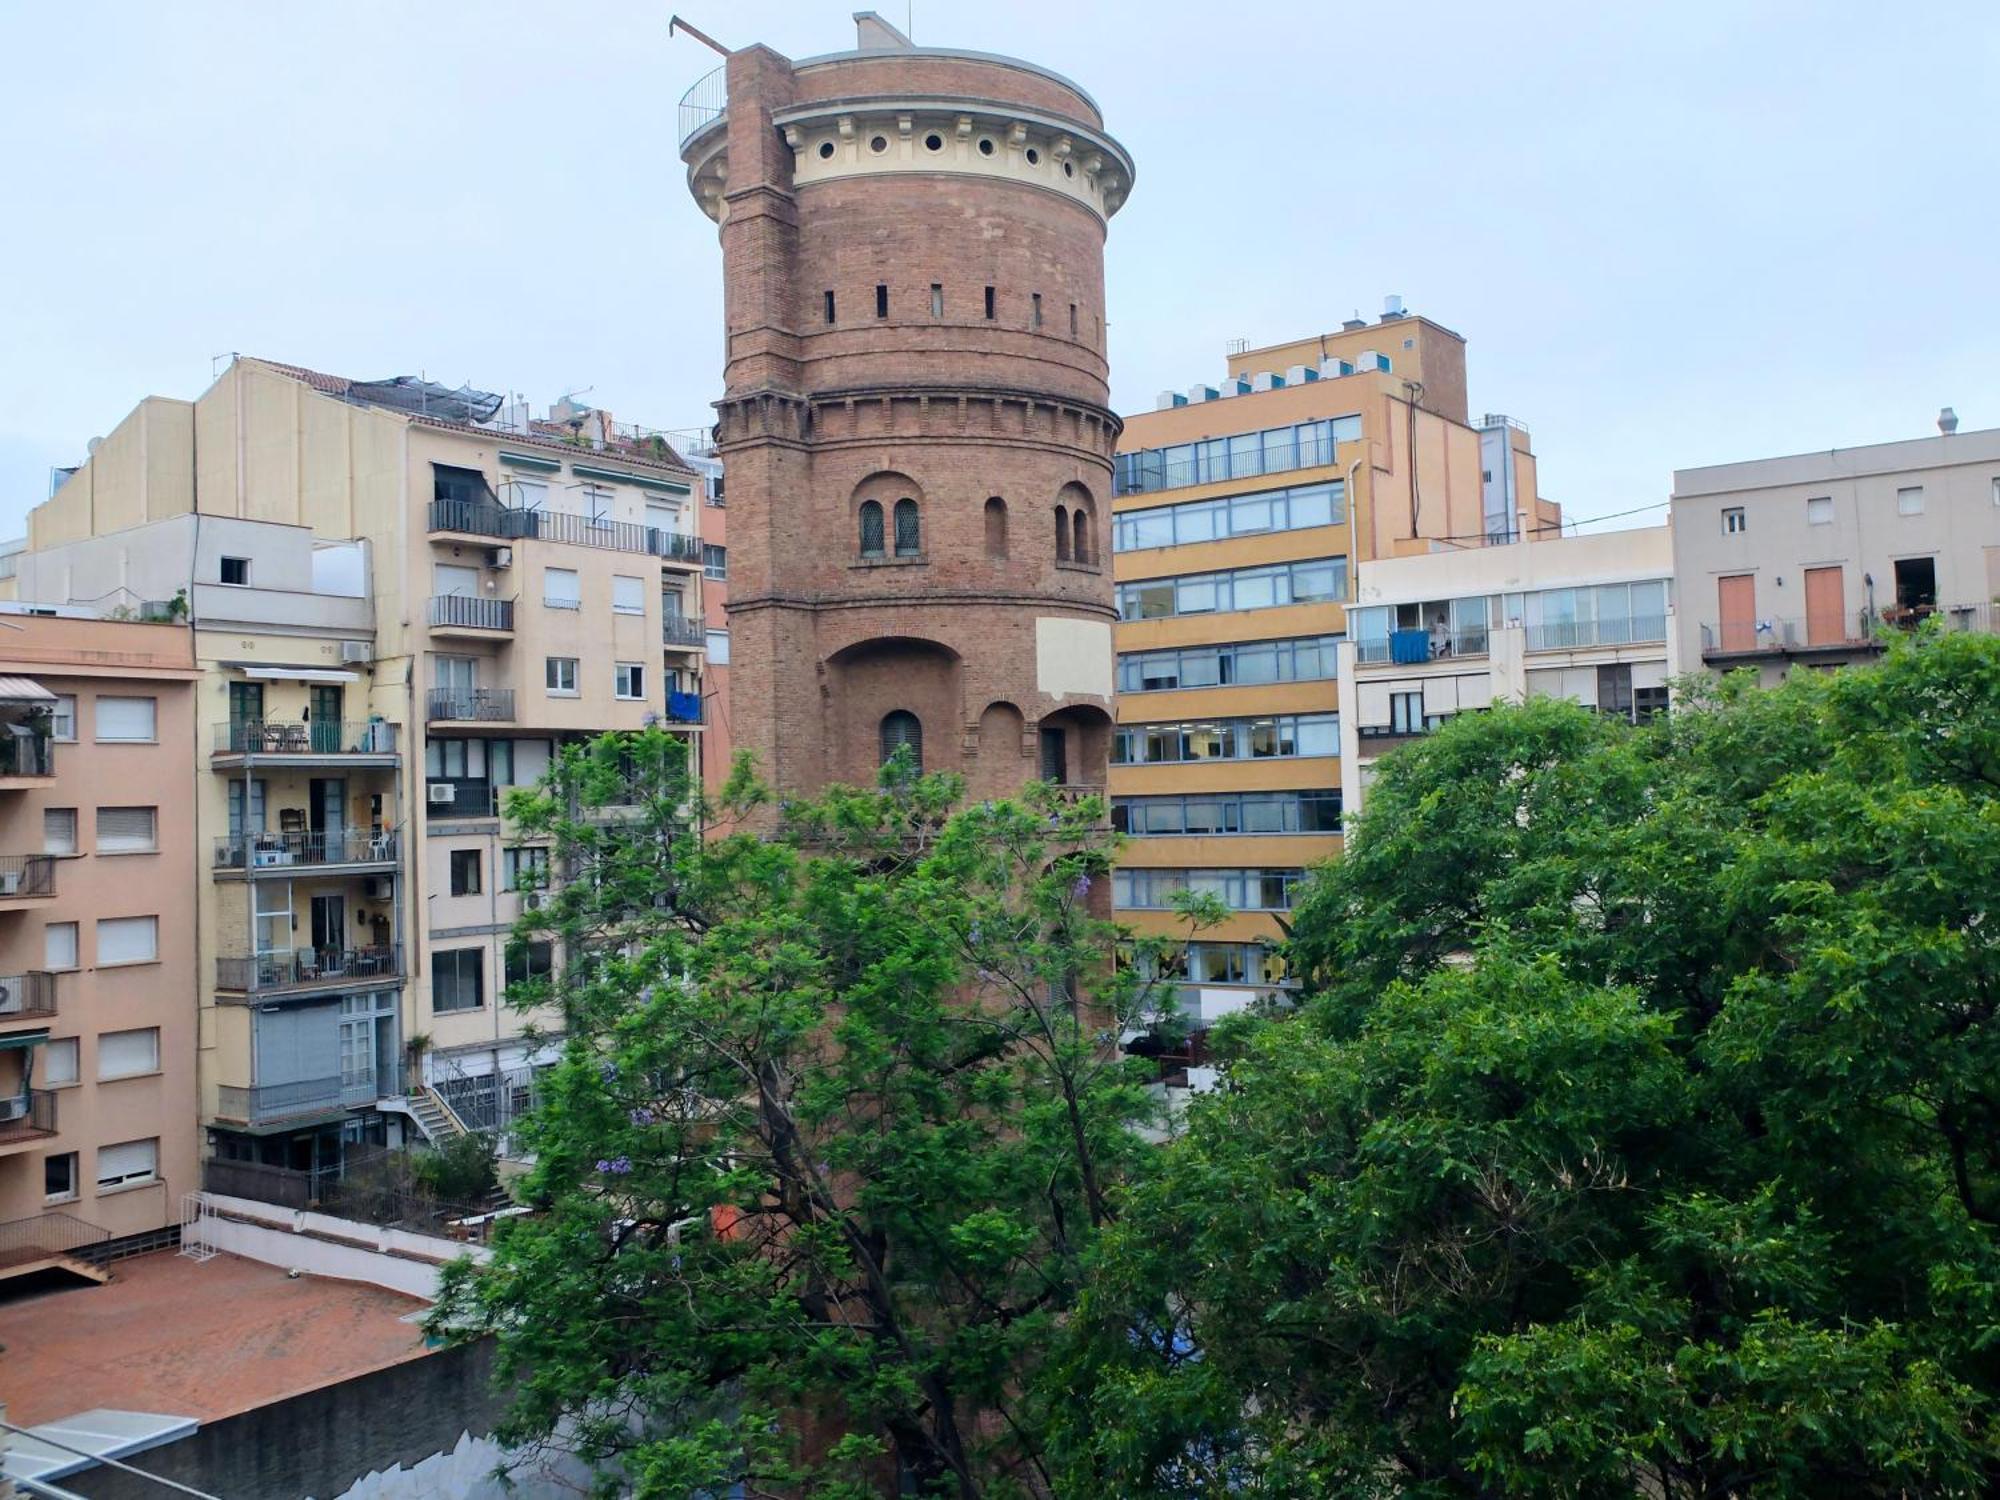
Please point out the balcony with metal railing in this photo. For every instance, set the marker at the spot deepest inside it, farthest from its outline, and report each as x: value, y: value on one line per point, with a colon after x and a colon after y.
x: 1573, y: 635
x: 1832, y: 632
x: 48, y: 1239
x: 27, y: 1117
x: 706, y: 102
x: 341, y: 850
x: 301, y: 970
x: 25, y: 877
x: 456, y: 797
x: 271, y: 1103
x: 302, y: 742
x: 470, y: 615
x: 469, y: 705
x: 1420, y: 644
x: 486, y: 518
x: 684, y: 633
x: 27, y: 756
x: 27, y: 997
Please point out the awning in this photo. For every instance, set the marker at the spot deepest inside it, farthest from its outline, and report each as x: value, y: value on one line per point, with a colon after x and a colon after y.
x: 532, y: 461
x: 24, y: 690
x: 300, y: 674
x: 23, y: 1039
x: 55, y: 1450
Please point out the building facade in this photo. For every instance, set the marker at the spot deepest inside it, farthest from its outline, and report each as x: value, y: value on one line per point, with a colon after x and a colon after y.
x: 1240, y: 515
x: 98, y: 1024
x: 1588, y: 618
x: 404, y: 601
x: 914, y: 421
x: 1804, y: 559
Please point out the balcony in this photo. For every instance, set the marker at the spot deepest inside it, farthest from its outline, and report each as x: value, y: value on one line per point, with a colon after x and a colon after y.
x: 1833, y: 633
x: 704, y: 103
x: 446, y: 798
x: 26, y: 1117
x: 264, y: 742
x: 683, y: 708
x: 26, y: 757
x: 1573, y: 635
x: 485, y: 518
x: 468, y: 614
x: 26, y: 876
x: 469, y: 705
x: 358, y: 849
x: 1416, y: 645
x: 688, y: 635
x: 271, y: 1103
x: 301, y: 970
x: 27, y: 997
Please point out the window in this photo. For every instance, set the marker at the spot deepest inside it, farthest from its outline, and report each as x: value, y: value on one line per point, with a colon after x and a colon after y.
x: 60, y: 1065
x: 128, y: 1164
x: 1035, y: 320
x: 465, y: 872
x: 127, y: 830
x: 1228, y: 812
x: 1614, y: 690
x: 1916, y: 584
x: 872, y: 543
x: 630, y: 681
x: 990, y: 312
x: 58, y: 830
x: 718, y: 648
x: 1293, y: 509
x: 902, y: 728
x: 937, y: 300
x: 1910, y: 501
x: 559, y: 672
x: 1239, y: 890
x: 127, y: 940
x: 524, y: 869
x: 458, y: 980
x: 1996, y: 501
x: 1648, y: 703
x: 1080, y: 549
x: 236, y: 570
x: 628, y: 595
x: 1304, y: 445
x: 1062, y: 533
x: 127, y: 1054
x: 909, y: 540
x: 597, y: 504
x: 1819, y: 510
x: 714, y: 561
x: 62, y: 722
x: 561, y: 588
x: 1406, y: 713
x: 59, y: 1177
x: 1733, y: 521
x: 1072, y: 320
x: 462, y: 486
x: 59, y: 945
x: 881, y: 301
x: 1312, y: 581
x: 1284, y: 736
x: 125, y: 720
x: 534, y: 960
x: 996, y: 527
x: 829, y: 306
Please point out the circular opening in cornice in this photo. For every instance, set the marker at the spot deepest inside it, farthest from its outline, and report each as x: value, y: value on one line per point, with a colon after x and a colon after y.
x: 826, y: 150
x: 934, y: 142
x: 986, y: 148
x: 879, y: 144
x: 1034, y: 157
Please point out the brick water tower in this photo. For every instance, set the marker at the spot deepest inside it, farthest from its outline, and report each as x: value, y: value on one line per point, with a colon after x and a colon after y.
x: 914, y: 428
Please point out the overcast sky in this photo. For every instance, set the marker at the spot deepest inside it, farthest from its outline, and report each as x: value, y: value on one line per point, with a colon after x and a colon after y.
x: 1672, y: 234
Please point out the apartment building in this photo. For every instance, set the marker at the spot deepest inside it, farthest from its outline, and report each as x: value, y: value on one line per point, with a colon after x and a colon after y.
x: 1240, y: 513
x: 404, y: 601
x: 1588, y: 618
x: 1805, y: 559
x: 97, y: 935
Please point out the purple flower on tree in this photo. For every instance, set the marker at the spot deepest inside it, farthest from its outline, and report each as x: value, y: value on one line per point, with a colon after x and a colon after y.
x: 1081, y: 888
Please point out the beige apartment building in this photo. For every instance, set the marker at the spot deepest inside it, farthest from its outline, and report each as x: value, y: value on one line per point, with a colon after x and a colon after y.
x: 404, y: 601
x: 1806, y: 559
x: 1430, y: 636
x: 97, y: 937
x: 1241, y: 511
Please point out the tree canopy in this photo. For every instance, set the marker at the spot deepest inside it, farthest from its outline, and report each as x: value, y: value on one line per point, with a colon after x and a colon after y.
x: 1638, y: 1133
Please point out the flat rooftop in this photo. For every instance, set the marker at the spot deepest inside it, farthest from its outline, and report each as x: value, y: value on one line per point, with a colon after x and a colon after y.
x: 200, y: 1339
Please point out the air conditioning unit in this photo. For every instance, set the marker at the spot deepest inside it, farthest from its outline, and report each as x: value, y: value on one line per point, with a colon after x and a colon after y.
x: 379, y: 888
x: 356, y: 653
x: 503, y: 557
x: 444, y: 791
x: 532, y: 901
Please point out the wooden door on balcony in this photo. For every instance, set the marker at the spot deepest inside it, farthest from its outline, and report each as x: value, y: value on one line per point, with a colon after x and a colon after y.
x: 328, y: 703
x: 1737, y: 596
x: 1826, y: 612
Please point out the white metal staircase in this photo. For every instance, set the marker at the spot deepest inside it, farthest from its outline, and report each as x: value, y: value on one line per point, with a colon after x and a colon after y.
x: 435, y: 1118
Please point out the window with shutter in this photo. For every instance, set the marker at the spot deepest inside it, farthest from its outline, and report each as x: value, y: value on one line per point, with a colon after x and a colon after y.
x: 899, y: 729
x: 561, y: 588
x: 125, y: 719
x: 59, y: 945
x: 628, y: 595
x: 127, y: 940
x: 127, y: 1164
x: 126, y: 1054
x: 127, y: 830
x: 58, y: 830
x: 59, y: 1062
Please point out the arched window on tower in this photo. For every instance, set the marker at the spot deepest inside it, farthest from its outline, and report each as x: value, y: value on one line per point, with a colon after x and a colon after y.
x: 909, y: 539
x: 871, y: 528
x: 1062, y: 533
x: 1081, y: 551
x: 901, y: 728
x: 996, y: 527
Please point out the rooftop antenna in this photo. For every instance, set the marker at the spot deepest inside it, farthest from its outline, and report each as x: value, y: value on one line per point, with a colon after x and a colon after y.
x: 677, y: 24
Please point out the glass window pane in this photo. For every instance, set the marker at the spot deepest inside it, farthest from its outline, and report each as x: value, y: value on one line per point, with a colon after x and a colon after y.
x: 1250, y: 514
x: 1208, y: 742
x: 1152, y: 528
x: 1197, y: 595
x: 1200, y: 669
x: 1312, y: 506
x: 1258, y: 588
x: 1319, y: 736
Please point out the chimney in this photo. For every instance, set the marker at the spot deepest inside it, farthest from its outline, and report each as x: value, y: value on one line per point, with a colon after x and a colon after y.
x: 1947, y: 421
x: 1357, y: 321
x: 1392, y: 308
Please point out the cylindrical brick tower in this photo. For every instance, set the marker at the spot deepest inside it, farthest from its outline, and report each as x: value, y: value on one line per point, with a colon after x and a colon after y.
x: 914, y: 430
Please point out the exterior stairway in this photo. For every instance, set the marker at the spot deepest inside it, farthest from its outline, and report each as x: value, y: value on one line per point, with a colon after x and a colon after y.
x: 434, y: 1117
x: 52, y: 1242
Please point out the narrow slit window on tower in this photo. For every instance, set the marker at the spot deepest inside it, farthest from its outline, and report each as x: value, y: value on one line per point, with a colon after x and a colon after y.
x: 871, y: 528
x: 909, y: 539
x: 1035, y: 321
x: 1062, y: 533
x: 1081, y: 551
x: 881, y: 300
x: 937, y: 300
x: 996, y: 527
x: 989, y: 304
x: 901, y: 728
x: 829, y: 307
x: 1072, y: 320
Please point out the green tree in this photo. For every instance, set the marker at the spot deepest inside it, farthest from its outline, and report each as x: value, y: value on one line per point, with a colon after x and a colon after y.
x: 1640, y: 1135
x: 839, y: 1114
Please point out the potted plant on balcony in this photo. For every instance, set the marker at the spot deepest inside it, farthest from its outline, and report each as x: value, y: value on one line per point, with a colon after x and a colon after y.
x: 416, y: 1045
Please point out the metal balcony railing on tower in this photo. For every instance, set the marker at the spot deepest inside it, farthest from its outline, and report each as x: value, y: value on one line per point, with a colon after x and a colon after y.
x: 707, y: 100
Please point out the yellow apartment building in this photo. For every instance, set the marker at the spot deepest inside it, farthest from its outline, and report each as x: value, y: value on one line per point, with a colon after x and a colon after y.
x: 404, y: 601
x: 1240, y: 513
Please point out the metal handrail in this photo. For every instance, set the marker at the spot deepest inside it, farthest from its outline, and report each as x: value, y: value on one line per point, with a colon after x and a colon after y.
x: 305, y: 737
x: 27, y: 1112
x: 50, y: 1234
x: 707, y: 99
x: 30, y: 755
x: 471, y: 612
x: 347, y: 846
x: 27, y: 875
x: 681, y: 630
x: 494, y: 705
x: 306, y: 968
x: 27, y: 996
x: 1568, y: 635
x: 506, y: 523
